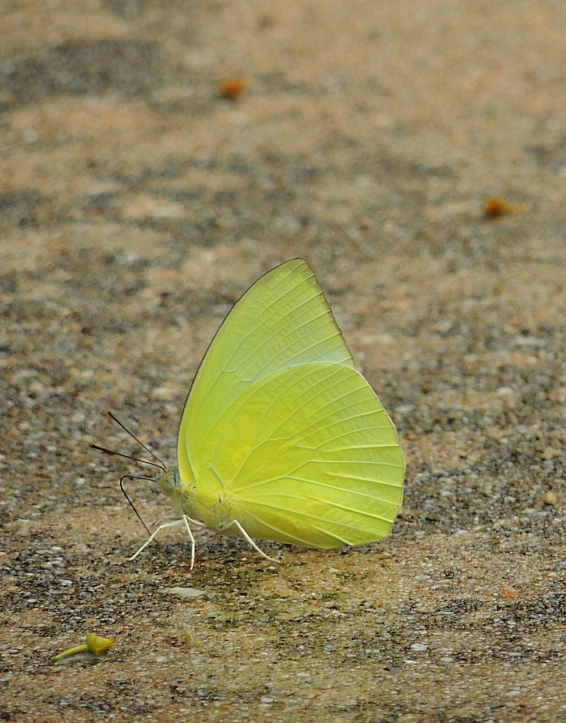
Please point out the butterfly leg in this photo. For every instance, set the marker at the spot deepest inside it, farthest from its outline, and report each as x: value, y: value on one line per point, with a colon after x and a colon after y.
x: 246, y: 537
x: 175, y: 523
x: 191, y: 538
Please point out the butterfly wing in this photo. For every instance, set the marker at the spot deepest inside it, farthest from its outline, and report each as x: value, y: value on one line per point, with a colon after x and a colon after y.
x: 281, y: 426
x: 283, y: 320
x: 308, y: 456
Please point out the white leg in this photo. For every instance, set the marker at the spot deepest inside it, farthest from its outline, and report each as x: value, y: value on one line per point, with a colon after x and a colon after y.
x: 184, y: 521
x: 250, y: 541
x: 160, y: 520
x: 191, y: 538
x: 175, y: 523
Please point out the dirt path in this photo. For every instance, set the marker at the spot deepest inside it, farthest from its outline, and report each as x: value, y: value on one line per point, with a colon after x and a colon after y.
x: 136, y: 206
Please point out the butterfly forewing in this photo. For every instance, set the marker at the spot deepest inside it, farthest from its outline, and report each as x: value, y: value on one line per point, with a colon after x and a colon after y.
x: 282, y: 321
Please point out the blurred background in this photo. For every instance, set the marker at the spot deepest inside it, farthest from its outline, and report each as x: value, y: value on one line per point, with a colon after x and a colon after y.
x: 156, y: 158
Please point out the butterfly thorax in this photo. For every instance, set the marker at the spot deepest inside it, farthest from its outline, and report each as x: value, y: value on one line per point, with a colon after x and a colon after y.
x: 214, y: 513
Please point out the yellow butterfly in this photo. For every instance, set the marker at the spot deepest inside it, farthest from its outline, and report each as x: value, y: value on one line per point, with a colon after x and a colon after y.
x: 281, y: 437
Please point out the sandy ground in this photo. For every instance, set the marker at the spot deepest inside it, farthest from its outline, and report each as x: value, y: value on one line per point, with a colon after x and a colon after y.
x: 136, y: 206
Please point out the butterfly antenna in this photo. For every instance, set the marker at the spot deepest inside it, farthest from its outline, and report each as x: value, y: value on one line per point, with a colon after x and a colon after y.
x: 129, y: 476
x: 114, y: 418
x: 126, y: 456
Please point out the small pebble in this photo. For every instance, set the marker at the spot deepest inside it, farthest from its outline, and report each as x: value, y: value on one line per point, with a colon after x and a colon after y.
x: 550, y: 498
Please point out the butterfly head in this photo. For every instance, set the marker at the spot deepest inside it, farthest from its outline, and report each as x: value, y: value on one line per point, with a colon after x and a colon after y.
x: 169, y: 481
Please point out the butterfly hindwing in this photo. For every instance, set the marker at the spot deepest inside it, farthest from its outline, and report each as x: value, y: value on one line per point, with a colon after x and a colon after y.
x: 307, y: 456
